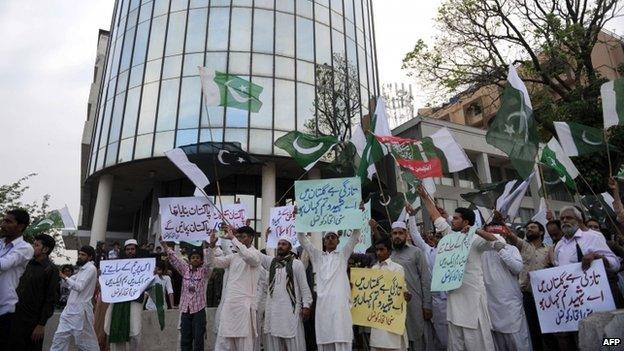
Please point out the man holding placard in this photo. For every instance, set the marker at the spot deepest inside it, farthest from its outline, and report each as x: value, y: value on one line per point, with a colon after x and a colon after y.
x: 467, y: 312
x: 77, y: 318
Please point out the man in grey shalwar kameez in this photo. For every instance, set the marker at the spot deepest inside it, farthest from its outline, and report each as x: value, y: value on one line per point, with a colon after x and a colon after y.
x: 418, y: 280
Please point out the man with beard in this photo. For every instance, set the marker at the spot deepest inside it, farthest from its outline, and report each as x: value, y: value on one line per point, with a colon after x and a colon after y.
x: 534, y: 257
x: 418, y: 281
x: 288, y: 299
x: 14, y: 256
x: 77, y: 318
x: 122, y: 322
x: 469, y: 324
x: 37, y: 291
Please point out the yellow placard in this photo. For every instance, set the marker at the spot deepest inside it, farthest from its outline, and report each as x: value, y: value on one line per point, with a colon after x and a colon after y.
x: 378, y: 301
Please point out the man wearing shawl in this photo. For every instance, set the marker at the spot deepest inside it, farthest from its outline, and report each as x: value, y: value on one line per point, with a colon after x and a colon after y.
x: 288, y: 299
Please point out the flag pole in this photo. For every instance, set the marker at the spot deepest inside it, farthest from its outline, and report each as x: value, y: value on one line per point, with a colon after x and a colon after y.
x: 541, y: 173
x: 608, y: 152
x: 292, y: 186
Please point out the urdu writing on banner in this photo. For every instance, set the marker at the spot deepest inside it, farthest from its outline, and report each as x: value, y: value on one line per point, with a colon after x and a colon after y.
x: 450, y: 262
x: 365, y: 238
x: 377, y: 299
x: 282, y: 224
x: 565, y: 295
x: 328, y: 204
x: 125, y: 279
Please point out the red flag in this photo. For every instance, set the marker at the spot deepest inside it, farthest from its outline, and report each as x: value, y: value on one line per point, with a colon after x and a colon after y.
x: 419, y: 156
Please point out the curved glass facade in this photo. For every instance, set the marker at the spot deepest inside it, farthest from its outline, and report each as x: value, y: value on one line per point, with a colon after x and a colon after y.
x: 315, y: 61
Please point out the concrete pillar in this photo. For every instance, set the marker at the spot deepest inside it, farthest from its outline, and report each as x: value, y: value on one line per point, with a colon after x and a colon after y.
x: 483, y: 168
x: 268, y: 198
x: 316, y: 238
x: 102, y: 206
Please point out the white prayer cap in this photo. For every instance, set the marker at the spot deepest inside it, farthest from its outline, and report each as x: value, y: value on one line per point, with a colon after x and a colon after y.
x: 399, y: 224
x: 290, y: 240
x: 131, y: 242
x: 325, y: 234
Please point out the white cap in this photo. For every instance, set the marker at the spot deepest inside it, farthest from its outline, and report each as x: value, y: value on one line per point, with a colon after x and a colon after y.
x: 330, y: 232
x: 290, y: 240
x: 399, y: 224
x: 131, y: 242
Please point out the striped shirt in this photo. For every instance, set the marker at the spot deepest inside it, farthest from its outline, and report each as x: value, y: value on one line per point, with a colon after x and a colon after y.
x: 193, y: 296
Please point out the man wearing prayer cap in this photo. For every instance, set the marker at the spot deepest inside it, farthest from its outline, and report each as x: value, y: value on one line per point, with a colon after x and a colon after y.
x: 122, y: 322
x: 77, y: 318
x: 288, y: 298
x: 418, y: 280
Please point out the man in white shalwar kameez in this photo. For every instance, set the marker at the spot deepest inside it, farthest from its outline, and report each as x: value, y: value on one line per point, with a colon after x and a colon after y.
x: 76, y: 320
x: 469, y: 326
x: 237, y: 322
x: 332, y: 321
x: 288, y: 299
x: 501, y: 269
x: 383, y: 340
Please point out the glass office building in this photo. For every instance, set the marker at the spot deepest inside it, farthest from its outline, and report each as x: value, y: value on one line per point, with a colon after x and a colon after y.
x: 315, y: 61
x: 150, y: 99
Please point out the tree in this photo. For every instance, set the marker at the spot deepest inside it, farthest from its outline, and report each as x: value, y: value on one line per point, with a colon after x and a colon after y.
x: 11, y: 198
x: 552, y: 40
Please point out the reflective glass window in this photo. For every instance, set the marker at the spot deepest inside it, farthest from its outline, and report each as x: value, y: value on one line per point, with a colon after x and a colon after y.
x: 136, y: 76
x: 338, y: 44
x: 260, y: 141
x: 196, y: 31
x: 305, y: 108
x: 134, y: 4
x: 175, y: 34
x: 143, y: 146
x: 160, y: 7
x: 305, y: 72
x: 172, y: 67
x: 116, y: 119
x: 284, y: 67
x: 321, y: 14
x: 198, y: 3
x: 336, y: 21
x: 336, y: 5
x: 286, y: 6
x: 267, y: 4
x: 115, y: 62
x: 284, y: 34
x: 284, y: 105
x: 190, y: 95
x: 106, y: 124
x: 348, y: 5
x: 305, y: 39
x: 237, y: 136
x: 263, y: 31
x: 262, y: 65
x: 239, y: 63
x: 191, y: 62
x: 216, y: 61
x: 216, y: 116
x: 140, y: 47
x: 362, y: 66
x: 127, y: 50
x: 125, y: 150
x: 212, y: 135
x: 323, y: 48
x: 236, y: 118
x: 163, y: 142
x: 111, y: 154
x: 304, y: 8
x: 122, y: 82
x: 152, y: 72
x: 148, y: 108
x: 186, y: 137
x: 131, y: 114
x: 177, y: 5
x: 264, y: 117
x: 240, y: 39
x: 157, y: 38
x: 218, y: 27
x: 167, y: 105
x: 220, y: 2
x: 100, y: 159
x: 241, y: 2
x: 146, y: 11
x: 359, y: 22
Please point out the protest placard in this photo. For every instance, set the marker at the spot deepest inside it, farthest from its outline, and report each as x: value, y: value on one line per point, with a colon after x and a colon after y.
x: 365, y: 239
x: 192, y: 218
x: 378, y: 300
x: 328, y: 204
x: 126, y: 279
x: 282, y: 224
x: 565, y: 295
x: 450, y: 262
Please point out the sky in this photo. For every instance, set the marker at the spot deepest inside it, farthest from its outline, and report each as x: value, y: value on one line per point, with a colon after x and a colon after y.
x: 48, y: 54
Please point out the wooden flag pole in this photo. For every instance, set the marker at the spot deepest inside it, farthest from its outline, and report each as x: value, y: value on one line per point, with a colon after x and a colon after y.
x: 541, y: 173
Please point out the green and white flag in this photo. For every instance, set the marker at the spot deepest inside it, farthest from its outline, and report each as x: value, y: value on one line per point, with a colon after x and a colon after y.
x: 57, y: 219
x: 620, y: 173
x: 612, y: 93
x: 306, y: 149
x: 222, y: 89
x: 368, y: 147
x: 577, y: 139
x: 554, y: 157
x: 513, y: 129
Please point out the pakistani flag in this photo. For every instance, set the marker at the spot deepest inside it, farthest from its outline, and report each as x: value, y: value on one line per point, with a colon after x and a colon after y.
x: 368, y: 148
x: 509, y: 203
x: 222, y: 89
x: 488, y: 194
x: 577, y: 139
x: 306, y: 149
x: 620, y: 173
x: 612, y: 93
x: 513, y: 129
x: 554, y: 157
x: 57, y: 219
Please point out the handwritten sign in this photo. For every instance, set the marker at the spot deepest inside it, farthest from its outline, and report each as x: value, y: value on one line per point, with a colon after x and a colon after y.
x: 565, y: 295
x: 192, y: 218
x: 365, y: 238
x: 282, y: 224
x: 378, y: 300
x: 328, y: 204
x: 125, y: 280
x: 450, y: 262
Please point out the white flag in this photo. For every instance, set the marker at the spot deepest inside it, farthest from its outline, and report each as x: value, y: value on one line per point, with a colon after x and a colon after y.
x: 192, y: 172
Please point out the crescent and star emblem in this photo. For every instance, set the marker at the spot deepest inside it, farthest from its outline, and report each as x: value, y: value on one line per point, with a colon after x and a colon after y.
x: 306, y: 150
x: 220, y: 156
x: 235, y: 94
x: 590, y: 142
x: 522, y: 123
